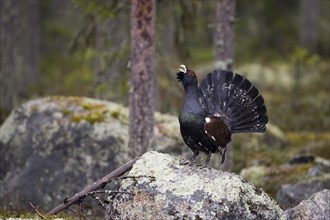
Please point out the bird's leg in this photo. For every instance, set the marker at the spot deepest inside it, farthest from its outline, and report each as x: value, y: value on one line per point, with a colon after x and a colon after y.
x: 193, y: 157
x: 223, y: 154
x: 208, y: 158
x: 191, y: 161
x: 207, y: 161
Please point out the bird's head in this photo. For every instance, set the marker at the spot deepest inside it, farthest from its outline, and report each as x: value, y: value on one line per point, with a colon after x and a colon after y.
x: 186, y: 76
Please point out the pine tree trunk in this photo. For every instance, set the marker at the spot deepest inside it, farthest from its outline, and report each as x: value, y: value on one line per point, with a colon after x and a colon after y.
x: 224, y: 34
x: 309, y: 23
x: 224, y: 50
x: 11, y: 53
x: 142, y: 87
x: 33, y: 41
x: 19, y: 41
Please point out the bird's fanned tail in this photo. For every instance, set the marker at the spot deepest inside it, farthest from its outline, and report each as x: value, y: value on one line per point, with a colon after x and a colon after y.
x: 235, y: 100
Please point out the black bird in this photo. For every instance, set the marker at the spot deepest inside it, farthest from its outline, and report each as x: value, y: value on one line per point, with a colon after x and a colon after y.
x: 223, y: 104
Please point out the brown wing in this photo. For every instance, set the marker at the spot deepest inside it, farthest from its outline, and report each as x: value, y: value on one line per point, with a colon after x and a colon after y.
x: 217, y: 131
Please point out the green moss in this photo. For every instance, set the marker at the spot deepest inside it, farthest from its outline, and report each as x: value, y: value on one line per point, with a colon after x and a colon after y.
x: 76, y: 119
x: 4, y: 214
x: 87, y: 106
x: 95, y: 117
x: 115, y: 114
x: 92, y: 112
x: 65, y: 111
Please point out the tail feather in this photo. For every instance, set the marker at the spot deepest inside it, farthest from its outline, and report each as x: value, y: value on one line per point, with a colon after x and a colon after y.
x: 249, y: 107
x: 235, y: 99
x: 221, y: 89
x: 206, y: 93
x: 247, y: 118
x: 246, y: 85
x: 234, y: 92
x: 210, y: 85
x: 258, y: 126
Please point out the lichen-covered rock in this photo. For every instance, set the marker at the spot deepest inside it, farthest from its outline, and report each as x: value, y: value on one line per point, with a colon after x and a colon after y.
x: 316, y: 207
x: 53, y: 147
x: 185, y: 192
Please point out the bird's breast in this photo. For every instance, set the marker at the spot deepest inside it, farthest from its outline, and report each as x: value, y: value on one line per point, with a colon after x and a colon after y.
x: 190, y: 121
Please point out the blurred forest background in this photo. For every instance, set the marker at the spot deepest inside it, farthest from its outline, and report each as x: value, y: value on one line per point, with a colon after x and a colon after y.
x: 82, y: 48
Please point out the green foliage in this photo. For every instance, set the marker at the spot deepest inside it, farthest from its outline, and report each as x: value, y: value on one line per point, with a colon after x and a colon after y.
x: 103, y: 9
x: 202, y: 55
x: 302, y: 56
x: 294, y: 82
x: 184, y: 34
x: 67, y: 75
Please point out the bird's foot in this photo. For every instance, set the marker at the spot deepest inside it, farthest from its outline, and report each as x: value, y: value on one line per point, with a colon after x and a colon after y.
x: 205, y: 166
x: 195, y: 165
x: 186, y: 162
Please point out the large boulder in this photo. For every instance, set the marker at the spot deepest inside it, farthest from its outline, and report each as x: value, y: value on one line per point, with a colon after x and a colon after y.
x: 316, y: 207
x: 53, y: 147
x: 185, y: 192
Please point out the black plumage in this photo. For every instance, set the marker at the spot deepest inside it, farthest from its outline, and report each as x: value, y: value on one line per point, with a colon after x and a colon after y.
x: 223, y: 104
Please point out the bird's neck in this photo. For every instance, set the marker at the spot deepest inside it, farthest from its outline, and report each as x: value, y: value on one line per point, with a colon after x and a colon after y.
x: 191, y: 102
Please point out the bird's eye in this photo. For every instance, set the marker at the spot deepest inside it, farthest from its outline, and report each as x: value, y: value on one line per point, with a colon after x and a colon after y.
x: 192, y: 73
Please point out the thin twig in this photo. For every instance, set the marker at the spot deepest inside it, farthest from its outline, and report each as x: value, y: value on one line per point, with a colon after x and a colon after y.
x: 101, y: 183
x: 36, y: 210
x: 104, y: 206
x: 133, y: 177
x: 108, y: 192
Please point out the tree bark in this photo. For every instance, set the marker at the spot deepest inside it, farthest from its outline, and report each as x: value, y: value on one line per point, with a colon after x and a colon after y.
x: 142, y: 79
x: 309, y: 23
x: 33, y: 40
x: 11, y: 54
x: 224, y: 34
x: 224, y: 50
x: 19, y: 41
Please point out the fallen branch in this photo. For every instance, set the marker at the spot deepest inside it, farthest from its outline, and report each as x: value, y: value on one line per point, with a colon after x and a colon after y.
x: 101, y: 183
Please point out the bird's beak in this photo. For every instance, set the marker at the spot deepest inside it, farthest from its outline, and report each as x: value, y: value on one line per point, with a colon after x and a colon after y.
x: 183, y: 68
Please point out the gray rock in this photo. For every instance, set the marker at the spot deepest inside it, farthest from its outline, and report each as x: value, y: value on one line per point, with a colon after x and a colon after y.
x: 314, y: 180
x: 53, y: 147
x: 185, y: 192
x: 316, y: 207
x: 290, y: 183
x: 290, y: 195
